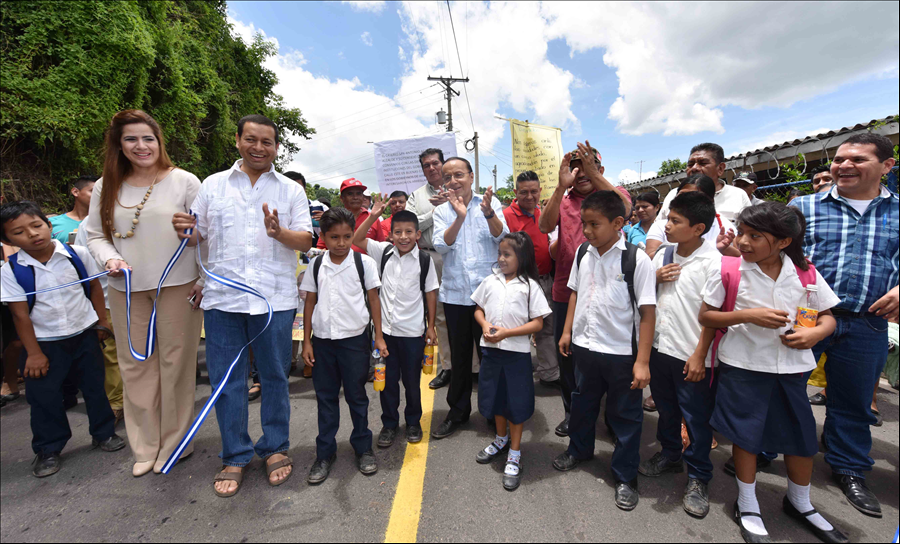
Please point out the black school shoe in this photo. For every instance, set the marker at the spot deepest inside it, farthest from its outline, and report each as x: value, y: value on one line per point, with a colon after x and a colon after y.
x: 113, y: 443
x: 386, y: 437
x: 441, y: 380
x: 762, y: 462
x: 627, y: 495
x: 659, y: 464
x: 445, y: 429
x: 818, y: 399
x: 563, y: 428
x: 45, y: 464
x: 565, y: 462
x: 858, y: 495
x: 483, y: 457
x: 367, y: 464
x: 747, y: 535
x: 696, y: 498
x: 825, y: 536
x: 320, y: 470
x: 413, y: 434
x: 510, y: 482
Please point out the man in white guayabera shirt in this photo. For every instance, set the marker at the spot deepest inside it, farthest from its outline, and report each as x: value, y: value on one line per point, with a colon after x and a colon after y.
x: 252, y: 219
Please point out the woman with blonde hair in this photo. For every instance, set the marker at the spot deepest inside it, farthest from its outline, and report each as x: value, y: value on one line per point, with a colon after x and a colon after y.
x: 130, y: 226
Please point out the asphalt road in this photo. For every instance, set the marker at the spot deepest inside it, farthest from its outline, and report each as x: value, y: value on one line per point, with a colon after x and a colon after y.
x: 95, y: 498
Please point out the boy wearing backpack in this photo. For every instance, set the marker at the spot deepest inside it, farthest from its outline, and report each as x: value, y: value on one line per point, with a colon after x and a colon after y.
x: 682, y: 384
x: 56, y: 329
x: 337, y: 346
x: 409, y: 288
x: 613, y: 296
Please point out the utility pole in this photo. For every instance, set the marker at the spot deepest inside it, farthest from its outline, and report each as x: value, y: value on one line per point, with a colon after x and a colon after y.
x: 477, y: 181
x: 641, y: 169
x: 447, y: 82
x: 494, y: 171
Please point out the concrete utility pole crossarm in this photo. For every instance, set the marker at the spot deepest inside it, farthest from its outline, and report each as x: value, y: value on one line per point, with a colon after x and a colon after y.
x: 447, y: 82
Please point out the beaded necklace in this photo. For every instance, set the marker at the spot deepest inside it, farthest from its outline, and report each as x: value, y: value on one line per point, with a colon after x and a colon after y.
x: 137, y: 213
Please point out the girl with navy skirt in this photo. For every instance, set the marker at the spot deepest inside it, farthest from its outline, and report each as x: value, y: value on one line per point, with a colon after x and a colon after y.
x: 765, y: 360
x: 511, y: 307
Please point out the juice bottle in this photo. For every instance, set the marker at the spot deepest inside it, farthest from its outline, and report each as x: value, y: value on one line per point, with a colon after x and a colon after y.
x: 428, y: 366
x: 808, y: 308
x: 379, y: 371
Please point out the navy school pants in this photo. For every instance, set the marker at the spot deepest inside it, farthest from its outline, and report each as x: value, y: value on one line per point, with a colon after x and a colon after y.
x: 404, y: 362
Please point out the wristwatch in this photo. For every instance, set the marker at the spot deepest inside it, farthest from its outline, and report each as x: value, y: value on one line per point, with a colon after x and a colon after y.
x: 490, y: 216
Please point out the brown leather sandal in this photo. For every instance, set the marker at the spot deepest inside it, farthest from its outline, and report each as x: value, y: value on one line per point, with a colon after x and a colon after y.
x: 286, y: 462
x: 226, y: 477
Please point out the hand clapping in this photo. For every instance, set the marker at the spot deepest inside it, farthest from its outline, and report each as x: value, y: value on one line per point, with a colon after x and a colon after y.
x: 486, y: 208
x: 273, y: 226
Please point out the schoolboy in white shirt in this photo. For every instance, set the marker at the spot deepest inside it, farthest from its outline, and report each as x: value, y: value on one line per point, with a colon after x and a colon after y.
x: 601, y: 332
x: 679, y: 363
x: 56, y: 329
x: 408, y: 302
x: 336, y: 314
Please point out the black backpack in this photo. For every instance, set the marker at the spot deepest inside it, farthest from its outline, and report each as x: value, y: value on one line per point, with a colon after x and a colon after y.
x: 629, y: 263
x: 424, y: 266
x: 357, y: 260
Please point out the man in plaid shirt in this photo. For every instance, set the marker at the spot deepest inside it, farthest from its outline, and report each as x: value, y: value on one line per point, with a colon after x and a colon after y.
x: 852, y: 238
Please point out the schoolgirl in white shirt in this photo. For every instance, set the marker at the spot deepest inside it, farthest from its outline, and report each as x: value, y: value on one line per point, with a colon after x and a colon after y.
x: 511, y: 307
x: 765, y: 360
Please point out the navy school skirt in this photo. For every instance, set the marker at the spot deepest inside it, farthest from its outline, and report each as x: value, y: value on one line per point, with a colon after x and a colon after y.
x: 506, y: 385
x: 759, y: 411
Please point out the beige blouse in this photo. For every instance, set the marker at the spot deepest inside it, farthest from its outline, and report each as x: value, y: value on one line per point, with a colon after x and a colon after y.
x: 155, y: 240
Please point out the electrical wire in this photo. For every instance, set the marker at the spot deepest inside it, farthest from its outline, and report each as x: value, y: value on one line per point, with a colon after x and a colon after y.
x: 403, y: 106
x: 459, y: 58
x: 389, y: 101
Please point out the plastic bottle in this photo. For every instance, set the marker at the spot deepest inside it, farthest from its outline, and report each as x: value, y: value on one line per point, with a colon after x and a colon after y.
x: 379, y: 371
x: 808, y: 308
x: 428, y: 366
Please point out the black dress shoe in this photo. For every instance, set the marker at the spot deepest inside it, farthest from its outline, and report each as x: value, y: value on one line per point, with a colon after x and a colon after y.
x: 818, y: 399
x: 563, y: 428
x: 627, y: 495
x: 320, y: 470
x: 413, y: 434
x: 367, y: 464
x: 752, y: 538
x: 445, y: 429
x: 825, y: 536
x: 565, y: 462
x: 45, y: 464
x: 70, y: 402
x: 113, y: 443
x: 550, y: 383
x: 511, y: 482
x: 696, y: 498
x: 659, y: 464
x: 859, y: 496
x: 386, y: 437
x: 879, y: 421
x: 484, y: 458
x: 441, y: 380
x: 762, y: 462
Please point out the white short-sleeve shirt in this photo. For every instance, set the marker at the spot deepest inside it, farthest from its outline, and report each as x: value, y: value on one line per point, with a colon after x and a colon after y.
x: 56, y: 314
x: 340, y: 304
x: 603, y: 310
x: 230, y: 220
x: 510, y: 304
x: 756, y: 348
x: 658, y: 230
x: 678, y: 303
x: 402, y: 304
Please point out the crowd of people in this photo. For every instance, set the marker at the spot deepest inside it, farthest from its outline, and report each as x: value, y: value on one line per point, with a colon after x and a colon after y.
x: 611, y: 294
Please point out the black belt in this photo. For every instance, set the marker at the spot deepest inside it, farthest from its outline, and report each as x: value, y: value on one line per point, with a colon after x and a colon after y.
x: 839, y: 312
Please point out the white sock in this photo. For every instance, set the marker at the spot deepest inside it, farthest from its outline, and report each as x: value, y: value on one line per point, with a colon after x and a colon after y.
x: 799, y: 497
x: 515, y: 456
x: 747, y: 503
x: 497, y: 445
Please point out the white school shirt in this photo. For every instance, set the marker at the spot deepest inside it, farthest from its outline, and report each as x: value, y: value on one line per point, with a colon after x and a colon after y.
x: 730, y: 201
x: 756, y: 348
x: 57, y: 314
x: 678, y: 303
x: 603, y: 309
x: 340, y: 304
x: 230, y: 220
x: 402, y: 304
x: 81, y: 240
x: 658, y: 231
x: 510, y: 304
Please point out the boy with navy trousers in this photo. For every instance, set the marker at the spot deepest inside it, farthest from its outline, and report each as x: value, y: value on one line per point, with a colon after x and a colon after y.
x: 57, y: 331
x: 409, y: 288
x: 680, y: 366
x: 337, y: 346
x: 613, y: 296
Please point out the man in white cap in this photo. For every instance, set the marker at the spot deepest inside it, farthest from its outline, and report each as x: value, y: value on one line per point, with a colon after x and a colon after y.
x: 746, y: 181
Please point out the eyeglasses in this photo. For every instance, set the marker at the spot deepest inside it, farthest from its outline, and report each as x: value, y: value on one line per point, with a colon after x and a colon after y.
x: 458, y: 176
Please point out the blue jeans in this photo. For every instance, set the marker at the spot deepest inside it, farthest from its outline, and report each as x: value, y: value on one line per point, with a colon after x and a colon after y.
x: 226, y: 333
x: 857, y: 353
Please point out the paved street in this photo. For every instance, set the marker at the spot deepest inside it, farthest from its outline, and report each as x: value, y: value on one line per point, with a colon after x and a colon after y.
x: 95, y: 498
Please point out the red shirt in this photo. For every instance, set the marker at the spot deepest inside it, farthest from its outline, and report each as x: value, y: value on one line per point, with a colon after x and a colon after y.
x: 517, y: 220
x: 373, y: 234
x: 386, y: 227
x: 570, y: 237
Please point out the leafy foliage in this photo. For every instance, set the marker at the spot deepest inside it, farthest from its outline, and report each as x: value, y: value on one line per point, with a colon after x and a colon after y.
x: 671, y: 166
x: 68, y: 67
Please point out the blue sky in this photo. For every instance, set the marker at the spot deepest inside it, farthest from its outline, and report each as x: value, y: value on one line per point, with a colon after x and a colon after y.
x: 641, y: 81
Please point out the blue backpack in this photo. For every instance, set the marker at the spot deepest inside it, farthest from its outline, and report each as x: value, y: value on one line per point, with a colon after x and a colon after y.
x: 25, y: 274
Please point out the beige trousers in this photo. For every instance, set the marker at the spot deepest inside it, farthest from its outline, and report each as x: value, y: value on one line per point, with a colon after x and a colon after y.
x: 159, y: 392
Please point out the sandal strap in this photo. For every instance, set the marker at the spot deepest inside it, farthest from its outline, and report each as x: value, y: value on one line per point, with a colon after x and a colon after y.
x: 810, y: 513
x: 230, y: 476
x: 286, y: 462
x: 513, y: 462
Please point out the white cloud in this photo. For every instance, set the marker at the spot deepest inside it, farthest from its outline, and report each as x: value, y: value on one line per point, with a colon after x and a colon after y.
x: 775, y: 138
x: 366, y: 38
x: 374, y: 7
x: 629, y: 176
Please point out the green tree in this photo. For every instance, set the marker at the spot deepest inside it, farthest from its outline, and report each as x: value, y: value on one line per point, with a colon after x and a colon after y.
x: 670, y: 167
x: 510, y: 183
x: 67, y: 67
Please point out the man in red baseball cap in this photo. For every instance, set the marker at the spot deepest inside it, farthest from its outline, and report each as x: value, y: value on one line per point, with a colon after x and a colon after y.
x: 353, y: 198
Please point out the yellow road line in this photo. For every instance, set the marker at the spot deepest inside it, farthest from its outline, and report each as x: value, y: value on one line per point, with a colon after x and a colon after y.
x: 403, y: 525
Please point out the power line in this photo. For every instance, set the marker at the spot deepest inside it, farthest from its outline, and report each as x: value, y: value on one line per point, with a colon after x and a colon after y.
x: 329, y: 135
x: 340, y: 175
x: 402, y: 106
x: 389, y: 101
x: 459, y: 58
